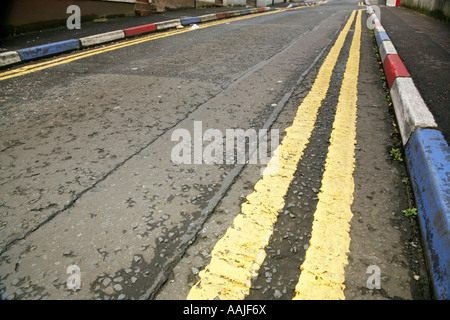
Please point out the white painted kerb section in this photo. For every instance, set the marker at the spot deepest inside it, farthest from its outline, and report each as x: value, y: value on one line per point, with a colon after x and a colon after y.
x: 102, y: 38
x: 386, y: 49
x: 410, y: 109
x: 9, y: 57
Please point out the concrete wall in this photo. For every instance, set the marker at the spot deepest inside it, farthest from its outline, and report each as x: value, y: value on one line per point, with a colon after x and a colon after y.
x: 26, y: 12
x: 162, y: 5
x: 439, y: 8
x: 22, y: 15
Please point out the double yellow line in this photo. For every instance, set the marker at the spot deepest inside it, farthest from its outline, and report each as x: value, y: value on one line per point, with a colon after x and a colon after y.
x: 123, y: 44
x: 238, y: 255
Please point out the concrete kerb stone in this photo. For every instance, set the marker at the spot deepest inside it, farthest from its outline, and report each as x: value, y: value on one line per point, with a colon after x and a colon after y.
x: 382, y: 36
x: 244, y: 12
x: 102, y: 38
x: 208, y: 17
x: 394, y: 68
x: 163, y: 25
x: 48, y: 49
x: 222, y: 15
x: 428, y: 159
x: 378, y: 29
x: 410, y: 108
x: 234, y: 13
x: 386, y: 48
x: 142, y: 29
x: 190, y: 20
x: 427, y: 156
x: 9, y: 58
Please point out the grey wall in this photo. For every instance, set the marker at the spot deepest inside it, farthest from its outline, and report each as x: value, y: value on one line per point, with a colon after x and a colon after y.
x: 435, y: 7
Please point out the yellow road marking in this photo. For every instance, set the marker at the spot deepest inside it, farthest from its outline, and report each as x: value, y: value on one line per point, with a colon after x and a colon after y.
x: 322, y: 273
x: 125, y: 43
x: 238, y: 255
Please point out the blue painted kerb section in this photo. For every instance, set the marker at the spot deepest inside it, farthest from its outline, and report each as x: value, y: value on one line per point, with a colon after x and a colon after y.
x: 428, y: 158
x: 381, y: 36
x: 190, y: 20
x: 48, y: 49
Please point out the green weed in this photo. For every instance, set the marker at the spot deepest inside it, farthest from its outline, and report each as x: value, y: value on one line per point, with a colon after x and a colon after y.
x: 396, y: 154
x: 410, y: 212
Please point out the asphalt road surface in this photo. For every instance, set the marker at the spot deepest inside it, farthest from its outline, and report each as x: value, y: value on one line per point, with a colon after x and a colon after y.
x: 118, y: 182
